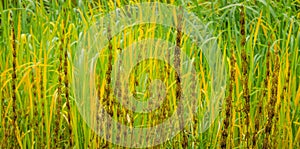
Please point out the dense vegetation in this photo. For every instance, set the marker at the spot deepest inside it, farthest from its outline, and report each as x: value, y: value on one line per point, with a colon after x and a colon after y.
x: 259, y: 41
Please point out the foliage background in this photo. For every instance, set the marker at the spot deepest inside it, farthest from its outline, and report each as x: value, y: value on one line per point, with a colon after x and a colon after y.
x: 38, y: 42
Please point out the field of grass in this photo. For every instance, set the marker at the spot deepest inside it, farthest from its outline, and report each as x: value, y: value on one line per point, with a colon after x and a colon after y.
x: 260, y: 45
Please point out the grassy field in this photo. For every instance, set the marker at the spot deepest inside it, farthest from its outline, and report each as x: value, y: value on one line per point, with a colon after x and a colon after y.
x: 259, y: 41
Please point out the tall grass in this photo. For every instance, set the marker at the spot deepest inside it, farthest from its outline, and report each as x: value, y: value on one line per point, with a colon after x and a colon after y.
x: 259, y: 41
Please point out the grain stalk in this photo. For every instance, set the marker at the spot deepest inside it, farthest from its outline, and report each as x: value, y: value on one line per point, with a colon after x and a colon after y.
x: 59, y: 90
x: 14, y: 82
x: 177, y: 65
x: 228, y: 102
x: 108, y: 72
x: 272, y: 102
x: 67, y: 93
x: 107, y: 89
x: 245, y: 63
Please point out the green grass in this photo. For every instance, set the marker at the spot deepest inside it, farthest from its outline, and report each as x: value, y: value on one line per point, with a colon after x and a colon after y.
x: 45, y: 29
